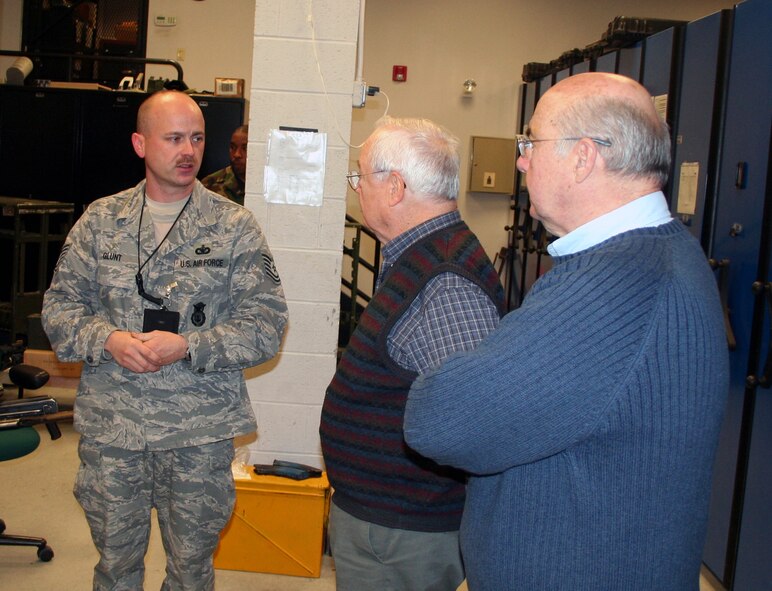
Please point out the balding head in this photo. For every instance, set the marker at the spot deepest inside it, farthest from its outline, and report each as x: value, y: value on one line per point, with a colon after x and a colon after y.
x: 597, y: 144
x: 601, y: 84
x: 620, y: 110
x: 170, y: 137
x: 157, y: 103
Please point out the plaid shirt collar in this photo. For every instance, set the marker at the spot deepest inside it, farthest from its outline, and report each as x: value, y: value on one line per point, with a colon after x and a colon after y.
x: 394, y: 248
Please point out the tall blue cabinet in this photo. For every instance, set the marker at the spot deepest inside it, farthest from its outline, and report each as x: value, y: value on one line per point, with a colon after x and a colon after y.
x: 741, y: 245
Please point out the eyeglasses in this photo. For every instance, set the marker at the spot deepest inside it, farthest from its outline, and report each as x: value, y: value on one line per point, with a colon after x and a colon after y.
x: 525, y: 144
x: 353, y: 177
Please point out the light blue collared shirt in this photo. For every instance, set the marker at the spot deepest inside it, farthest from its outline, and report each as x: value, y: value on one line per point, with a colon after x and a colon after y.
x: 645, y: 212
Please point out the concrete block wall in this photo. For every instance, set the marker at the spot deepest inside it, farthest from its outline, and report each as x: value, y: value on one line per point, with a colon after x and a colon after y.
x: 304, y: 61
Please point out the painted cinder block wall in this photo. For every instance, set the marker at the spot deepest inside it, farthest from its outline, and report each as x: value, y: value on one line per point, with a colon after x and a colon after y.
x: 288, y: 90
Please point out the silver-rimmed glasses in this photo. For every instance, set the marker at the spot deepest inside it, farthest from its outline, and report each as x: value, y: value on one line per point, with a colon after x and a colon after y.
x: 525, y: 143
x: 353, y: 177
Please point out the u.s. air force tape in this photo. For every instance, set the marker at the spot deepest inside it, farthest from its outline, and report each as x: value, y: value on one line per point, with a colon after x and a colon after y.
x: 270, y: 268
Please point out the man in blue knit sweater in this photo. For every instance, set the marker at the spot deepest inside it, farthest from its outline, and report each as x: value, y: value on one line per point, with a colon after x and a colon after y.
x: 589, y: 419
x: 395, y: 515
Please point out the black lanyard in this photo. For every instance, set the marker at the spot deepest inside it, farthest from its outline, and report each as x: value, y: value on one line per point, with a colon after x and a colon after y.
x: 140, y: 284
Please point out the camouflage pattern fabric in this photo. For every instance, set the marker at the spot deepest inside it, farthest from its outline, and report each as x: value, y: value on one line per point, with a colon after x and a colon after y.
x: 225, y: 182
x: 216, y: 270
x: 192, y: 491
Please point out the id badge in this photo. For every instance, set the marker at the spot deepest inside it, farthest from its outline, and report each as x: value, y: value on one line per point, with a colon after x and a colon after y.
x: 161, y: 320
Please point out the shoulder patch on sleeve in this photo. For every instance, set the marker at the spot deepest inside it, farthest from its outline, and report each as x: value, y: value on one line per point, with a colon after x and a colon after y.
x: 62, y: 254
x: 270, y: 268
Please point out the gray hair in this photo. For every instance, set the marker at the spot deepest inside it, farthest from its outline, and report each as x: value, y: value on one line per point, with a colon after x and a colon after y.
x: 424, y: 153
x: 640, y: 144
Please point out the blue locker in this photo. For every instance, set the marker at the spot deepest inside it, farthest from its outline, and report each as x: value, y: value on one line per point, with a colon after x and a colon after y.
x: 629, y: 62
x: 657, y: 61
x: 696, y: 139
x: 543, y: 85
x: 562, y: 74
x: 660, y: 66
x: 744, y: 198
x: 753, y: 570
x: 581, y: 67
x: 698, y: 132
x: 607, y: 63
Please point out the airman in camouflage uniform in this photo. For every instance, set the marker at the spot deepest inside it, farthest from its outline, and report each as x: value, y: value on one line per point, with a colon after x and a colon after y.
x: 230, y: 181
x: 157, y: 410
x: 226, y: 183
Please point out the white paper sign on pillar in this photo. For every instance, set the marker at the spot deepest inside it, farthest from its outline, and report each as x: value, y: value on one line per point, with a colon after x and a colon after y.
x: 294, y: 171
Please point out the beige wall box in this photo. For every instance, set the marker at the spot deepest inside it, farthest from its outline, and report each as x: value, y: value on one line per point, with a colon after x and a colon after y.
x: 229, y: 87
x: 493, y: 165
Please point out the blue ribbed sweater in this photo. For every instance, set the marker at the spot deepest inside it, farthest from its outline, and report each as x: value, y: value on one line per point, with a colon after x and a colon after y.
x: 588, y: 421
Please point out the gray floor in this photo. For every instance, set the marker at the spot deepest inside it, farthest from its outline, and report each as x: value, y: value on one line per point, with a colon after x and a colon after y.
x: 36, y: 499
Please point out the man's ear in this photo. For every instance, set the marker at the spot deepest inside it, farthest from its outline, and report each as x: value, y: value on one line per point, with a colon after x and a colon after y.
x: 586, y: 154
x: 138, y: 141
x: 396, y: 188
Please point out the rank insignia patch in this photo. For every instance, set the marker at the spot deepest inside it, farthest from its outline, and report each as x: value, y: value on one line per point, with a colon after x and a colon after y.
x: 270, y: 269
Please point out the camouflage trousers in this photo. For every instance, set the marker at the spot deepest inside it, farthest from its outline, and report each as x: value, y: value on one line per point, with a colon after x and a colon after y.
x: 192, y: 491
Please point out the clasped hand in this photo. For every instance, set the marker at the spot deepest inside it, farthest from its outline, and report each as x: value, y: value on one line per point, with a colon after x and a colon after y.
x: 144, y: 352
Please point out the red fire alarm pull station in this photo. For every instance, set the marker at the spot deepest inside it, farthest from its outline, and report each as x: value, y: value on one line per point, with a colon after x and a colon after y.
x: 399, y: 73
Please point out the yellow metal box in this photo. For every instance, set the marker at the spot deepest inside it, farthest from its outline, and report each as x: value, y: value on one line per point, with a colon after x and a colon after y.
x: 278, y: 526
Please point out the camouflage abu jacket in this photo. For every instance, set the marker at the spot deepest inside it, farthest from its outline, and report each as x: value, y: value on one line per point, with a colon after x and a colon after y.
x: 215, y: 269
x: 225, y: 183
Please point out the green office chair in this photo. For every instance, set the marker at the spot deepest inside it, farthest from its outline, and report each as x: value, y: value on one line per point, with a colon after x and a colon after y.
x: 15, y: 443
x: 18, y: 438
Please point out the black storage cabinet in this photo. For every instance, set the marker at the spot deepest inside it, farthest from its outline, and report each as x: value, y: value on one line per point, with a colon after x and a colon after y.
x: 31, y: 235
x: 72, y: 145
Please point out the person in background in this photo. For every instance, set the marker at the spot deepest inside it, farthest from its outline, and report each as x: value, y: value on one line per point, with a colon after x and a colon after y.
x: 589, y: 420
x: 395, y: 515
x: 230, y: 181
x: 165, y: 292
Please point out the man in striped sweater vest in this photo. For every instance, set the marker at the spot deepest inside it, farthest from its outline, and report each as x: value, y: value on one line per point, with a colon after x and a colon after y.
x: 589, y: 420
x: 395, y: 514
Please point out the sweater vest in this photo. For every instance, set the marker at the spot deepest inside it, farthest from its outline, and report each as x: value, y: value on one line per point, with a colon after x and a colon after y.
x: 375, y: 475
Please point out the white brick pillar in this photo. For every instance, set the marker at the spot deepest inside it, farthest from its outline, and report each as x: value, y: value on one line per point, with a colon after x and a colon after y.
x: 294, y: 41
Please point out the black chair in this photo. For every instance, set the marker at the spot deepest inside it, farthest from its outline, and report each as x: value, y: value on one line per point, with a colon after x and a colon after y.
x: 27, y: 376
x: 18, y: 437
